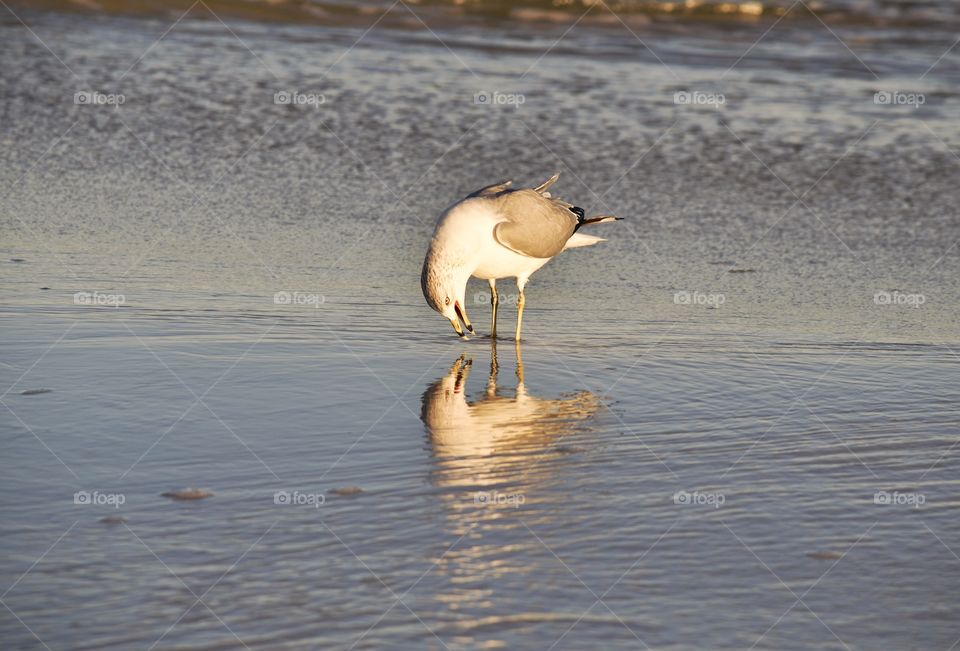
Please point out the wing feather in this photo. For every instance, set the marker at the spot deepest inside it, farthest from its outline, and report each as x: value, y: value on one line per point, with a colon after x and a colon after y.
x: 533, y: 225
x: 542, y: 188
x: 491, y: 190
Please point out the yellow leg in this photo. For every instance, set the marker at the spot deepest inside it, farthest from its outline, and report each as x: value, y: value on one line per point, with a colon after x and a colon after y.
x: 519, y: 364
x: 520, y: 303
x: 494, y: 302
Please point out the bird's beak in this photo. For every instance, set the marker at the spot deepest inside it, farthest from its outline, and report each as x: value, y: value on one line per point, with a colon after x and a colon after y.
x: 462, y: 313
x: 456, y: 326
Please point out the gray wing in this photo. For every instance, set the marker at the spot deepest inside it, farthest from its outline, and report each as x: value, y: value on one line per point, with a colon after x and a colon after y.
x: 491, y: 190
x: 504, y: 186
x: 535, y: 225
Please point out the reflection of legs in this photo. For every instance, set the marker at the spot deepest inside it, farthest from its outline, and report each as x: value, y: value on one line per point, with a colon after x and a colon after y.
x: 494, y: 302
x: 494, y: 369
x: 521, y: 301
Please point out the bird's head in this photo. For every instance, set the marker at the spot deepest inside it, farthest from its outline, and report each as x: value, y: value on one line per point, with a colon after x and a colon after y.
x: 444, y: 288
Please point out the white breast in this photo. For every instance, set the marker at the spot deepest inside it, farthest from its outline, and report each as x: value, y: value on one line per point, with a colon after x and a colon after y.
x: 497, y: 261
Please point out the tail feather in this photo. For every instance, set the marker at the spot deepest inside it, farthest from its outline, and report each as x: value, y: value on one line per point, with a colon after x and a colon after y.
x: 582, y: 239
x: 600, y: 219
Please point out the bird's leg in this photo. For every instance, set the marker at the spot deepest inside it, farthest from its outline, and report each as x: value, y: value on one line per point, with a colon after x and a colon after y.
x: 521, y: 301
x: 494, y: 302
x: 519, y: 365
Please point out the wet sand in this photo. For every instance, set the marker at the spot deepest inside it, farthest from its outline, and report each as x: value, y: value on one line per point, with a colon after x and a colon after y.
x: 736, y: 421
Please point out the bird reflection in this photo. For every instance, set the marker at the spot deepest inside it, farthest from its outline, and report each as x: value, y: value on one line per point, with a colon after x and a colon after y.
x: 501, y: 436
x: 505, y: 443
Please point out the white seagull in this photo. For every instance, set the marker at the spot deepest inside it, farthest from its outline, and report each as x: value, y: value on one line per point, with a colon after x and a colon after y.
x: 498, y: 232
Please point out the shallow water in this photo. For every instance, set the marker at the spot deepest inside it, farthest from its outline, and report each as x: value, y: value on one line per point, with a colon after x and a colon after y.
x: 710, y: 401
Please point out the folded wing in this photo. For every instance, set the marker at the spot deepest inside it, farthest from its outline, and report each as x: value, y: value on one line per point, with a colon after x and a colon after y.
x: 534, y: 225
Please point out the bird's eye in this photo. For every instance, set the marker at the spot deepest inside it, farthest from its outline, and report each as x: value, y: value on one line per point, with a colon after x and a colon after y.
x: 446, y: 301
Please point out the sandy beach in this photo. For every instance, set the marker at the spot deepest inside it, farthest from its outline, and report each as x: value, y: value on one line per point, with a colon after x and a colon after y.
x: 733, y: 425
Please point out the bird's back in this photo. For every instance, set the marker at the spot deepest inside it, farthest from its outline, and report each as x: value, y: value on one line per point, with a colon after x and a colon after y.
x: 527, y: 221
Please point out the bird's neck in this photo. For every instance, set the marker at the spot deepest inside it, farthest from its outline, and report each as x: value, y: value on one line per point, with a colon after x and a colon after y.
x: 452, y: 256
x: 441, y: 267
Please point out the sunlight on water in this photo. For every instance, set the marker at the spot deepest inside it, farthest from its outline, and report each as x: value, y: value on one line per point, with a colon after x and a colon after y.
x: 231, y: 421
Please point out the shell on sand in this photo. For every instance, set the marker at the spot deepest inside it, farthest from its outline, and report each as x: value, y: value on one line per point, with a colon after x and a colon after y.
x: 113, y: 519
x: 187, y: 494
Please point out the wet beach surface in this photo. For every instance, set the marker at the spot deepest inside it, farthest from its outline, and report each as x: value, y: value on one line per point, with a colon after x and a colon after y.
x: 737, y: 420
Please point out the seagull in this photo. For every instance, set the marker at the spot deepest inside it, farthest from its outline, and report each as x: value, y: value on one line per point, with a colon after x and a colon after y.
x: 498, y: 232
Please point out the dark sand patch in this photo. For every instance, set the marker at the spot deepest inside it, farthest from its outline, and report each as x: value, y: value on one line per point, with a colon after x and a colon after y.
x: 188, y: 494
